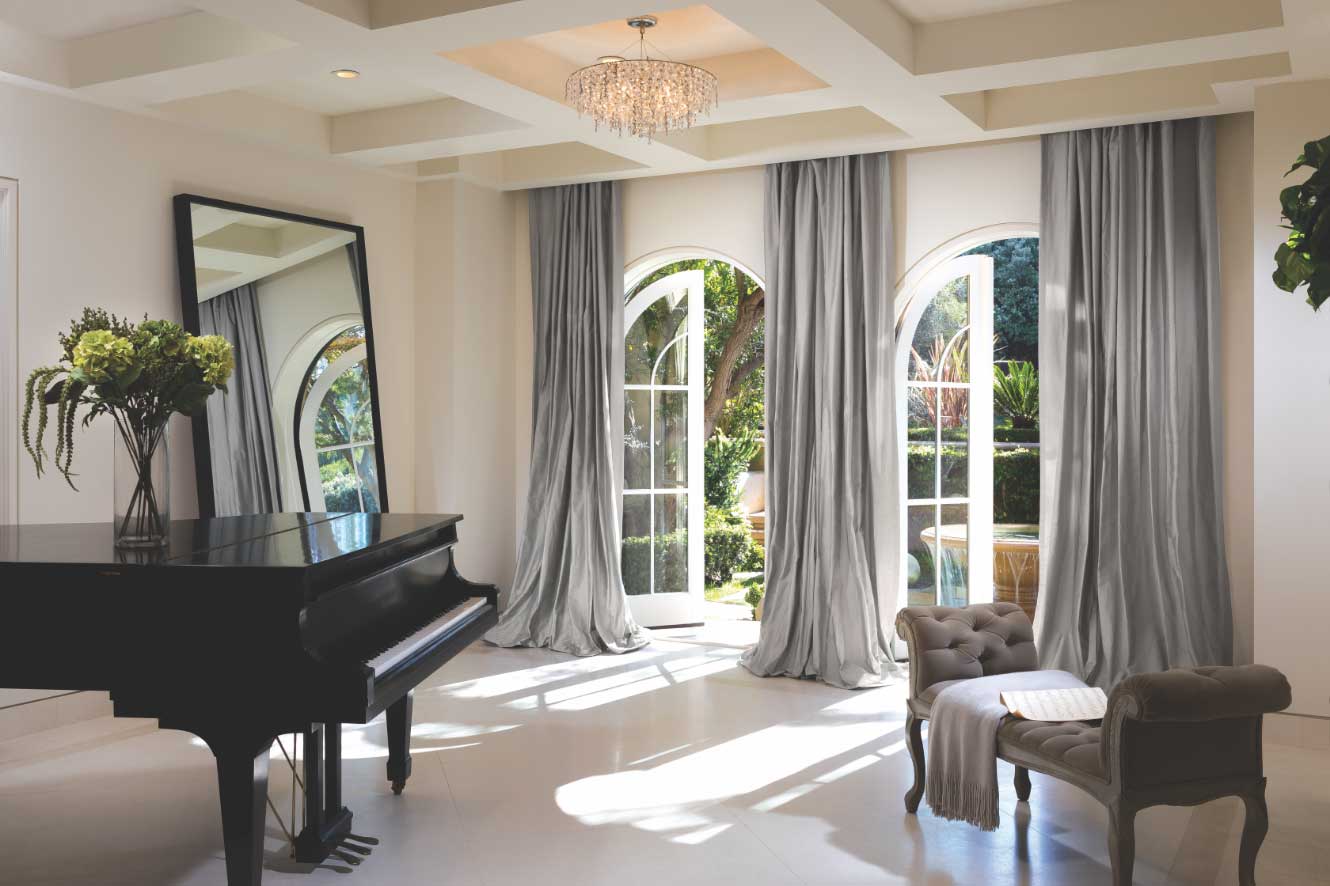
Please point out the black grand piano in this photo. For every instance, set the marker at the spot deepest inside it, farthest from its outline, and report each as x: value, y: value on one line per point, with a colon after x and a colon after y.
x: 243, y: 629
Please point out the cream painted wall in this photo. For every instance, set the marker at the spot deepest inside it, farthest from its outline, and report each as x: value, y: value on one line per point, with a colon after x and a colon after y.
x: 1234, y: 136
x: 95, y: 228
x: 465, y: 342
x: 1291, y: 419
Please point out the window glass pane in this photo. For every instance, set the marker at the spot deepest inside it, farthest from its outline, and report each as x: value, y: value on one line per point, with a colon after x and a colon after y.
x: 636, y: 430
x: 953, y: 564
x: 919, y: 573
x: 921, y: 447
x: 341, y: 486
x: 672, y: 544
x: 662, y: 322
x: 344, y: 342
x: 946, y: 315
x: 955, y: 442
x: 345, y: 415
x: 367, y: 468
x: 671, y: 442
x: 636, y: 559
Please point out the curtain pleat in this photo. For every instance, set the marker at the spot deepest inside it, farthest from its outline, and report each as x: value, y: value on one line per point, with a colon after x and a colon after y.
x: 1133, y: 575
x: 568, y: 590
x: 240, y: 428
x: 833, y: 552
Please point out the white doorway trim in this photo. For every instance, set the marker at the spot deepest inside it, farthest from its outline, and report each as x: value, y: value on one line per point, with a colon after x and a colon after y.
x: 9, y: 369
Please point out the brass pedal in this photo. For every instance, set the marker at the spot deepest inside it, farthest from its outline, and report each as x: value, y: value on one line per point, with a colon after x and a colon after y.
x: 347, y: 857
x: 362, y: 850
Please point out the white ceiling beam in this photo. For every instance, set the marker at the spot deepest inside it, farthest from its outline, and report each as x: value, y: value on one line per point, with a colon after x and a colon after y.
x: 1079, y: 27
x: 195, y: 38
x: 443, y: 119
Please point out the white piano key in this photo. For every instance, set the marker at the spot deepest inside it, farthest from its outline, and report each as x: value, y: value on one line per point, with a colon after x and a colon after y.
x: 407, y: 647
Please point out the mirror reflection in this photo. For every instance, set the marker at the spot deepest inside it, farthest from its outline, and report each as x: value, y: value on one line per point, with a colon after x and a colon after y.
x: 298, y: 430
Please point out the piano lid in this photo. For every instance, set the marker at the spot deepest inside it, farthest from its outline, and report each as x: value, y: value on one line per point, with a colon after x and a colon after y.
x: 288, y: 540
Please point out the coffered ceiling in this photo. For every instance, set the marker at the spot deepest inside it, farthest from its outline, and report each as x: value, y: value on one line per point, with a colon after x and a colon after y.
x: 474, y: 88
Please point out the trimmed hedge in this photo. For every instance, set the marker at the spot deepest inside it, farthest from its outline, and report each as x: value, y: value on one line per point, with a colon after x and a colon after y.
x: 671, y: 562
x: 961, y: 435
x: 728, y: 549
x: 1015, y: 479
x: 1016, y: 486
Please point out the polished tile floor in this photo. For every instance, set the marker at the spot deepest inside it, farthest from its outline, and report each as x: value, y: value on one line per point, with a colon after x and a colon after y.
x: 667, y: 766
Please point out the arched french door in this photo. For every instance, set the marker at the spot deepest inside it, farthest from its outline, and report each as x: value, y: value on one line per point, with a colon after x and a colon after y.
x: 663, y: 499
x: 945, y: 371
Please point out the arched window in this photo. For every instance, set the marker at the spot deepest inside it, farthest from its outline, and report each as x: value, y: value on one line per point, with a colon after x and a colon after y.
x: 335, y: 442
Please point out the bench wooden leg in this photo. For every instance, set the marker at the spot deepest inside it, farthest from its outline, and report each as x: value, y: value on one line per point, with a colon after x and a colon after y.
x: 1122, y: 841
x: 1253, y: 834
x: 1022, y: 783
x: 914, y: 739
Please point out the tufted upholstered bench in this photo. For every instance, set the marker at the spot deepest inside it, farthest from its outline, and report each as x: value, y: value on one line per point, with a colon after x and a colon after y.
x: 1178, y: 738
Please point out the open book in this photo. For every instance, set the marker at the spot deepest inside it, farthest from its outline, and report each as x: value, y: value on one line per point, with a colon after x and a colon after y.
x: 1057, y: 705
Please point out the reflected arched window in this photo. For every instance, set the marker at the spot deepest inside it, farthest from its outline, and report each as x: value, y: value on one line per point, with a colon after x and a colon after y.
x: 335, y: 439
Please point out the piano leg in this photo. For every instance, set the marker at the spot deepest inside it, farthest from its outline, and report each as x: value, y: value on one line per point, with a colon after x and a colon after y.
x: 242, y: 782
x: 399, y: 742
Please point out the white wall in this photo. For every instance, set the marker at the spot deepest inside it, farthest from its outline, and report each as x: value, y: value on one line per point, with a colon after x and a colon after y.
x: 465, y: 343
x: 95, y: 228
x: 1291, y: 419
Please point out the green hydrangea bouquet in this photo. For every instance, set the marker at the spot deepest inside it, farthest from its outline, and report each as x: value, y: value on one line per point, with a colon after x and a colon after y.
x: 140, y: 375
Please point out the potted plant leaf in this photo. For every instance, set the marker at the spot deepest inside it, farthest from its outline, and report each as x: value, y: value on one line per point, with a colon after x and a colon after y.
x: 140, y: 375
x: 1304, y: 257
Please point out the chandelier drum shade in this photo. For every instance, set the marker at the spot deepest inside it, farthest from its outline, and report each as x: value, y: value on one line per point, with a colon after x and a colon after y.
x: 642, y: 96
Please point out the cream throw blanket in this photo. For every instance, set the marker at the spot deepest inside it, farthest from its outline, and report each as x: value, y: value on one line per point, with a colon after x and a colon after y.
x: 962, y: 743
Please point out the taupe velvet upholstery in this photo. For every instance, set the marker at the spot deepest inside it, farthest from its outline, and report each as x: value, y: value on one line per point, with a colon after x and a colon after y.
x: 975, y: 641
x: 1177, y: 737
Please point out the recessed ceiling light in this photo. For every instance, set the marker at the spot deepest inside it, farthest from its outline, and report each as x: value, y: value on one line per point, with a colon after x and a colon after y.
x: 346, y: 73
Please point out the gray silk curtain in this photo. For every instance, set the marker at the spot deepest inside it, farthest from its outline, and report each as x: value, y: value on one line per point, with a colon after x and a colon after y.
x: 240, y: 430
x: 1133, y: 575
x: 568, y: 590
x: 833, y: 568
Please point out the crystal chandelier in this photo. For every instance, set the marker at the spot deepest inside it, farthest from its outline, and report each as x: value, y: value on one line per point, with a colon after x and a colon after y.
x: 641, y: 95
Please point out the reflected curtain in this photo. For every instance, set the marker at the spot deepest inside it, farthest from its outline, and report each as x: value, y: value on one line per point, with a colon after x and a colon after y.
x: 568, y: 590
x: 833, y: 524
x: 240, y: 428
x: 1132, y: 560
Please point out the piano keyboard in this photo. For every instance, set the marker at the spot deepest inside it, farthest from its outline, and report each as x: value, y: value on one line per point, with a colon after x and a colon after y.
x: 410, y: 645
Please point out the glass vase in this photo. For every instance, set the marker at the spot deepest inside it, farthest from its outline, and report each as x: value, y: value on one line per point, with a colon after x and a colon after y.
x: 142, y: 486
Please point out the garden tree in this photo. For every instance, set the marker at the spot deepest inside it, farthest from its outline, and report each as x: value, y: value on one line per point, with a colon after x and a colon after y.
x: 1015, y: 296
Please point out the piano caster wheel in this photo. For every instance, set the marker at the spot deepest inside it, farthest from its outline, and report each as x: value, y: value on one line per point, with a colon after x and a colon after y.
x: 397, y: 787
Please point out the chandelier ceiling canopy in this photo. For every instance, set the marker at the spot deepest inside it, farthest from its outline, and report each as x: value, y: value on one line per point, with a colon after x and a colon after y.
x: 643, y: 96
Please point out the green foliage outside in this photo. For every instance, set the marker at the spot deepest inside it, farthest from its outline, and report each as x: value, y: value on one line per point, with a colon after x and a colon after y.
x: 671, y: 563
x: 729, y: 540
x: 1016, y: 301
x: 1016, y: 486
x: 726, y: 458
x: 1015, y: 479
x: 1016, y: 393
x: 1304, y: 257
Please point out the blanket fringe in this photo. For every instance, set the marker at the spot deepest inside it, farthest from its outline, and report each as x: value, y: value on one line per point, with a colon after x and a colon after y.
x: 953, y: 798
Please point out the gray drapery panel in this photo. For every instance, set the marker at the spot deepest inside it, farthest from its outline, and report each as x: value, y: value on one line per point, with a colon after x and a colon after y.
x: 568, y: 590
x: 240, y: 432
x: 833, y: 568
x: 1133, y: 575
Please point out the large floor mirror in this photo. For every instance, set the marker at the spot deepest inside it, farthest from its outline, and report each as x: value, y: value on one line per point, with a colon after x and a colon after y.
x: 299, y: 428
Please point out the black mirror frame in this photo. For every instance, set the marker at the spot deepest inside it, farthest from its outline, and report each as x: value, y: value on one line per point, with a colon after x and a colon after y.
x: 189, y: 308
